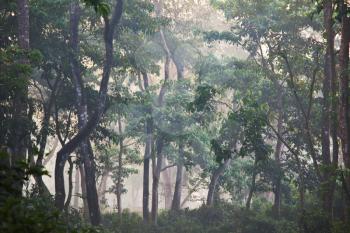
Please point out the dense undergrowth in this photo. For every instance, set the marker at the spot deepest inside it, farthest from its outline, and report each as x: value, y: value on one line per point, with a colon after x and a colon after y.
x: 33, y: 213
x: 37, y: 215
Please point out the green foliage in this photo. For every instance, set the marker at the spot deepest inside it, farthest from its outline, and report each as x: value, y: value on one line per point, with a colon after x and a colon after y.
x: 32, y: 214
x: 100, y: 6
x: 204, y: 93
x: 125, y: 223
x: 220, y: 152
x: 37, y: 215
x: 221, y: 219
x: 11, y: 177
x: 253, y: 119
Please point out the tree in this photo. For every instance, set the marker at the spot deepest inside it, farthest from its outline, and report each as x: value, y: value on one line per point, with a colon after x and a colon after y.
x: 88, y: 125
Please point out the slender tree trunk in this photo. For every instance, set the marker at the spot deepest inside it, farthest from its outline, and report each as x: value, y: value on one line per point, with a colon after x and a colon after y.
x: 103, y: 186
x: 252, y: 188
x: 344, y: 97
x: 166, y: 68
x: 20, y: 134
x: 90, y: 179
x: 176, y: 204
x: 157, y: 163
x: 213, y: 181
x: 147, y: 156
x: 70, y: 184
x: 301, y: 182
x: 329, y: 112
x: 44, y: 133
x: 145, y: 199
x: 156, y: 176
x: 120, y: 169
x: 76, y: 189
x: 179, y: 177
x: 278, y: 149
x: 166, y: 177
x: 83, y: 191
x: 302, y: 227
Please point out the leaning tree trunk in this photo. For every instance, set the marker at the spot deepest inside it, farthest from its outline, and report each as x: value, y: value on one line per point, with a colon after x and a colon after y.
x: 80, y: 139
x: 70, y: 184
x: 214, y: 179
x: 44, y: 133
x: 85, y: 146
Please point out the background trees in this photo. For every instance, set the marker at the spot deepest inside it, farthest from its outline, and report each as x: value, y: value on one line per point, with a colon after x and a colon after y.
x: 250, y: 113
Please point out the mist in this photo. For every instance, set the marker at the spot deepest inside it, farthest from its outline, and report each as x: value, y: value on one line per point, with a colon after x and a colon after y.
x: 174, y: 116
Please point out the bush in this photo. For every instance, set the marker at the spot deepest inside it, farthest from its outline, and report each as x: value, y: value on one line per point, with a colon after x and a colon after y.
x: 126, y: 223
x: 37, y: 215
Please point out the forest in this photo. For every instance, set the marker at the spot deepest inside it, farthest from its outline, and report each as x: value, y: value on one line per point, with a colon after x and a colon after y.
x: 174, y: 116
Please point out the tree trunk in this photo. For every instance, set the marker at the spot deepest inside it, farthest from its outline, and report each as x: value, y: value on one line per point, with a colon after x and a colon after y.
x: 156, y: 176
x: 252, y: 188
x: 20, y: 134
x: 103, y: 186
x: 176, y: 204
x: 166, y: 177
x: 83, y: 192
x: 145, y: 196
x: 91, y: 194
x: 120, y: 169
x: 329, y: 116
x: 147, y: 156
x: 85, y: 146
x: 166, y: 69
x: 81, y: 137
x: 76, y: 189
x: 44, y: 133
x: 213, y: 181
x: 301, y: 182
x: 277, y: 189
x: 178, y: 183
x: 52, y: 153
x: 157, y: 163
x: 70, y: 184
x: 344, y: 97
